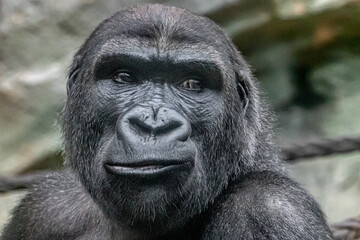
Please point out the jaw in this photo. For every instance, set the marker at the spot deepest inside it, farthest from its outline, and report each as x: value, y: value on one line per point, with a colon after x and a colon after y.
x: 159, y: 205
x: 143, y: 192
x: 156, y: 192
x: 156, y: 205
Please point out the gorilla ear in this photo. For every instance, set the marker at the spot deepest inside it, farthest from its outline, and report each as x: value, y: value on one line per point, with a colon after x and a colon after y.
x: 73, y: 74
x: 243, y: 91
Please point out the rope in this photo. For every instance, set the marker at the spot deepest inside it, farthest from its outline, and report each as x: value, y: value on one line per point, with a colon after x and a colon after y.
x: 321, y: 147
x: 347, y: 230
x: 20, y: 181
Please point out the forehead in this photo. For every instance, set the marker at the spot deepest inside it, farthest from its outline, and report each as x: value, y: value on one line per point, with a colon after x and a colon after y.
x: 160, y: 49
x: 159, y: 31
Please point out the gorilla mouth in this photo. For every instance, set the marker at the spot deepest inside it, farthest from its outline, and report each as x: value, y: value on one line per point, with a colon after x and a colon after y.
x: 145, y: 167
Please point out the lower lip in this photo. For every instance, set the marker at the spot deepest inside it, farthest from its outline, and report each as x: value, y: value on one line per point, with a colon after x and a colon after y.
x: 143, y: 170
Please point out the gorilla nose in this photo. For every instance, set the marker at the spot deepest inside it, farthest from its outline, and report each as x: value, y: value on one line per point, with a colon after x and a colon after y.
x: 162, y: 124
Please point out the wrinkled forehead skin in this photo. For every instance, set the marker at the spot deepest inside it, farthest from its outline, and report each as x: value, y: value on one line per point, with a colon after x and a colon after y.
x: 160, y: 29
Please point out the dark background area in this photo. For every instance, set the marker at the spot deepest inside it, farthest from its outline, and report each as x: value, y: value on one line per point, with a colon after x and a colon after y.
x: 305, y: 53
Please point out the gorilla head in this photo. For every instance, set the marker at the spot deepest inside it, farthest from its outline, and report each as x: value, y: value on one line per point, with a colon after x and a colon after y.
x: 162, y: 114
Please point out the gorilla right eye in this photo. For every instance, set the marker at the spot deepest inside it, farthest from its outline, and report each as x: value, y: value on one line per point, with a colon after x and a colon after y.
x: 191, y: 84
x: 122, y: 77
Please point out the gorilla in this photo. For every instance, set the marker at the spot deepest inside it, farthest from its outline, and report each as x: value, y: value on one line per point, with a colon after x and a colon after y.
x: 165, y: 137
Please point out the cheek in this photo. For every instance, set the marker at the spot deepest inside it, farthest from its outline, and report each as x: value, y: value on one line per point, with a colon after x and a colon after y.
x: 112, y: 100
x: 207, y: 118
x: 108, y: 93
x: 204, y: 110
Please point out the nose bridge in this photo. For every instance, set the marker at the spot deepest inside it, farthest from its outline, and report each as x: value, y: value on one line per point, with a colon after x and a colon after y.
x: 155, y: 95
x: 159, y: 116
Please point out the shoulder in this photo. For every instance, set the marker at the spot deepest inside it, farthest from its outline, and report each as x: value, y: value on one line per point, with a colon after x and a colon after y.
x: 56, y: 206
x: 270, y: 204
x: 271, y: 191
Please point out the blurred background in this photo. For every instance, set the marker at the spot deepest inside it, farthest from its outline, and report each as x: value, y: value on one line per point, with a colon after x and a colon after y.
x: 305, y: 53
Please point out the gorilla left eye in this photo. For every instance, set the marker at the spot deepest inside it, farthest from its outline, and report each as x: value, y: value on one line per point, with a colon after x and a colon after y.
x: 122, y: 77
x: 191, y: 84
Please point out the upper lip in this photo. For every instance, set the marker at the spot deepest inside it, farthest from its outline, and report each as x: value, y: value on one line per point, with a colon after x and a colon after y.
x: 146, y: 163
x: 146, y: 168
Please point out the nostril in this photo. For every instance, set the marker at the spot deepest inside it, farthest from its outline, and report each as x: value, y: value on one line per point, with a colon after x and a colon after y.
x: 140, y: 126
x: 167, y: 128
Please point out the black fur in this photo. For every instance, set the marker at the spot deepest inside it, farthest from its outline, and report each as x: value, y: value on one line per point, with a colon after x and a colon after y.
x: 227, y: 183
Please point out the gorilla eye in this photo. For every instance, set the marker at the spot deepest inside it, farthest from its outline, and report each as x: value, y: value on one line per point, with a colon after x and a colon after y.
x: 191, y: 84
x: 122, y: 77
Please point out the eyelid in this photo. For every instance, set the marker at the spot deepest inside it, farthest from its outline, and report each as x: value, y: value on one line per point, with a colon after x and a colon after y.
x: 120, y: 71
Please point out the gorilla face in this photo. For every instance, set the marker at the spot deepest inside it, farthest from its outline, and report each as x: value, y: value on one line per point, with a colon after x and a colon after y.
x: 157, y: 119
